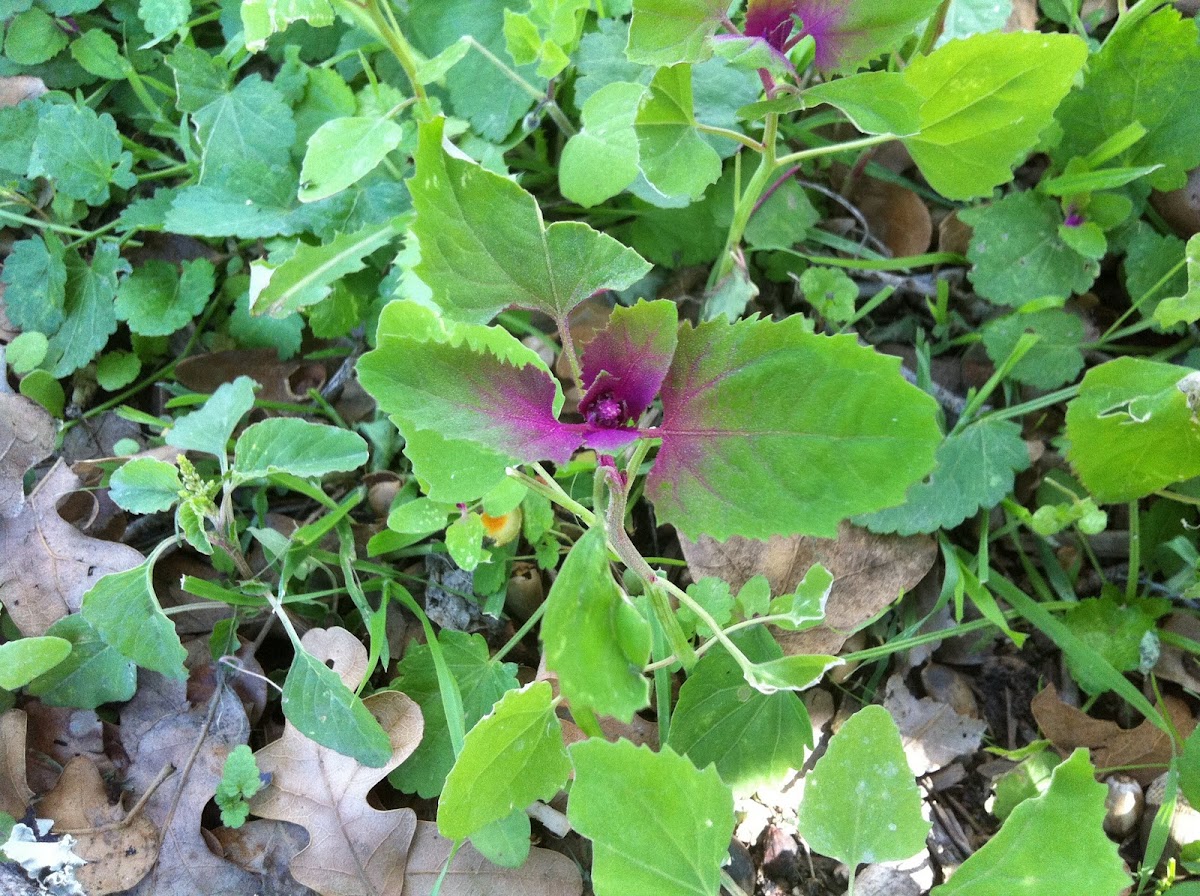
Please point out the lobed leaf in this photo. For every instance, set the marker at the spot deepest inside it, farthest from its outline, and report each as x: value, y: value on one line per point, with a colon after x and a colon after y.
x: 484, y: 245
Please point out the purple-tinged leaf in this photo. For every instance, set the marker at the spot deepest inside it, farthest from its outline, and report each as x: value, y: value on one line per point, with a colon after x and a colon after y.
x: 461, y: 393
x: 484, y: 245
x: 771, y: 430
x: 624, y: 365
x: 847, y: 33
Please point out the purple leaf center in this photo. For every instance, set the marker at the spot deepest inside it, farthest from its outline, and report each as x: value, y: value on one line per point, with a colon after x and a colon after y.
x: 606, y: 411
x: 774, y: 21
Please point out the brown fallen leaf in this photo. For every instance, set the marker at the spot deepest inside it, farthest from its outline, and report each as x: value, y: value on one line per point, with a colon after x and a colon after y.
x: 353, y: 848
x: 47, y: 564
x: 545, y: 872
x: 869, y: 573
x: 15, y: 88
x: 161, y: 730
x: 896, y: 215
x: 15, y: 795
x: 1142, y: 752
x: 118, y: 852
x: 934, y: 735
x: 280, y: 380
x: 266, y: 846
x: 26, y: 436
x: 57, y: 734
x: 1175, y: 663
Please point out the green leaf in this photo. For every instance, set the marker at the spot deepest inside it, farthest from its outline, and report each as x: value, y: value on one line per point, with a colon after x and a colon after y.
x: 1115, y: 630
x: 26, y: 351
x: 789, y: 673
x: 1185, y: 308
x: 830, y: 291
x: 1018, y: 255
x: 97, y: 53
x: 464, y: 541
x: 1055, y: 359
x: 602, y: 159
x: 863, y: 769
x: 35, y: 277
x: 240, y: 780
x: 199, y: 78
x: 1131, y: 429
x: 976, y: 468
x: 967, y: 17
x: 743, y: 455
x: 326, y: 711
x: 752, y: 738
x: 1085, y: 861
x: 1143, y: 73
x: 479, y: 91
x: 666, y: 32
x: 308, y: 276
x: 512, y: 757
x: 158, y: 300
x: 299, y: 447
x: 42, y: 387
x: 33, y: 37
x: 970, y: 138
x: 145, y: 485
x: 419, y: 517
x: 92, y: 674
x: 595, y: 640
x: 657, y: 823
x: 343, y: 152
x: 262, y: 18
x: 481, y: 682
x: 117, y: 369
x: 484, y: 245
x: 783, y: 219
x: 88, y: 314
x: 547, y: 35
x: 23, y: 660
x: 124, y: 610
x: 251, y: 123
x: 18, y: 130
x: 505, y: 842
x: 163, y: 18
x: 1189, y: 768
x: 210, y: 428
x: 875, y: 102
x: 674, y: 157
x: 81, y: 151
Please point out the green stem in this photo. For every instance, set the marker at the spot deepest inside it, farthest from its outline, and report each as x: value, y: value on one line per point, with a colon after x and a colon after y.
x: 549, y: 488
x: 736, y: 136
x: 524, y: 630
x: 43, y: 225
x: 818, y: 151
x: 552, y: 108
x: 747, y: 202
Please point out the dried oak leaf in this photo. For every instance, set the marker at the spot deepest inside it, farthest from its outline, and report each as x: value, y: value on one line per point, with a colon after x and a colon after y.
x: 545, y: 872
x: 161, y: 729
x: 266, y: 846
x: 26, y: 436
x: 57, y: 734
x: 869, y: 573
x: 933, y: 733
x: 119, y: 851
x: 15, y: 794
x: 1142, y: 752
x: 353, y: 848
x: 47, y: 564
